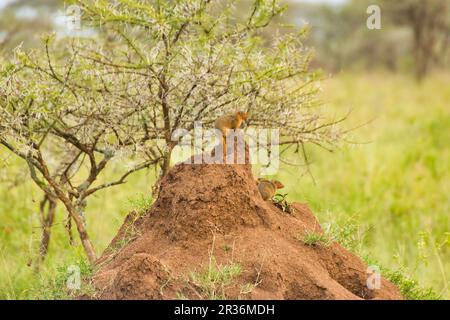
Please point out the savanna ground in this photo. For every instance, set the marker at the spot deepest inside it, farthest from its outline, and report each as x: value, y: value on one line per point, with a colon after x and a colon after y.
x: 384, y: 194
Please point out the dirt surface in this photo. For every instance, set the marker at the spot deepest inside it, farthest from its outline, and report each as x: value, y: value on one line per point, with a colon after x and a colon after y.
x: 210, y: 235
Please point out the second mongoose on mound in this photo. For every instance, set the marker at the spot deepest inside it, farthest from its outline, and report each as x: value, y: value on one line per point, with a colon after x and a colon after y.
x: 268, y: 188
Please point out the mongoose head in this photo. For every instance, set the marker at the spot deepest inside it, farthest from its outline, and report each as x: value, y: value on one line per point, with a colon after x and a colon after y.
x: 277, y: 184
x: 242, y: 115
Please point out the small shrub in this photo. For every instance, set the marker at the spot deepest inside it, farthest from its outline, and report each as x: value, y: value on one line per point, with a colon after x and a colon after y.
x: 312, y: 238
x: 280, y: 201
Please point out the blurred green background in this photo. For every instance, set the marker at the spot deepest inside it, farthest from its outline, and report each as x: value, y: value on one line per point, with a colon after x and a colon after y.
x: 389, y: 182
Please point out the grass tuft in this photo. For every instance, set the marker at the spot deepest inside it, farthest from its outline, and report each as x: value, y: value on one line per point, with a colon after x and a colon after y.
x: 141, y: 203
x: 312, y: 238
x: 215, y: 279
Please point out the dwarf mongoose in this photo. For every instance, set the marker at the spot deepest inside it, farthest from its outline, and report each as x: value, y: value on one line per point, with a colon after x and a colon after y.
x: 230, y: 122
x: 268, y: 188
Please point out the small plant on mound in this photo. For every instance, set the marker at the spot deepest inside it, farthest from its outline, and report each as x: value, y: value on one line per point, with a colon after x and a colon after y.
x: 347, y: 233
x: 312, y: 238
x: 249, y: 287
x: 215, y: 279
x: 131, y: 233
x: 280, y: 201
x: 141, y: 204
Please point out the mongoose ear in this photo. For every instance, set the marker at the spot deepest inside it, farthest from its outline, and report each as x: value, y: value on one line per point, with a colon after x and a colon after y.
x: 278, y: 184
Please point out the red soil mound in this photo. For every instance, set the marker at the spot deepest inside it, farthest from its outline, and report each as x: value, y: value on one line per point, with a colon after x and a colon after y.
x: 210, y: 235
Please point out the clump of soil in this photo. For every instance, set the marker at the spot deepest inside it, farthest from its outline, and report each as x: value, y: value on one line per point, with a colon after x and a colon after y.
x: 210, y: 235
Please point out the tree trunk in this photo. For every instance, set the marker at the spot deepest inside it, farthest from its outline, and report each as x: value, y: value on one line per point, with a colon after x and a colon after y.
x: 427, y: 22
x: 69, y: 230
x: 165, y: 167
x: 47, y: 223
x: 421, y: 60
x: 84, y: 237
x: 47, y: 208
x: 81, y: 228
x: 166, y: 162
x: 74, y: 213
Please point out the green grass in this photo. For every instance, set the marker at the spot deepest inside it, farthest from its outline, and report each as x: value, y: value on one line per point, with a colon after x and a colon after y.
x: 71, y: 280
x: 215, y: 279
x: 392, y: 186
x: 393, y: 180
x: 316, y: 239
x: 141, y: 203
x: 20, y: 233
x: 409, y: 287
x: 351, y: 236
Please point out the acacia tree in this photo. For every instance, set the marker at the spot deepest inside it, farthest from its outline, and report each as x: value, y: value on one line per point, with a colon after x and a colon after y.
x: 68, y: 131
x: 150, y: 69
